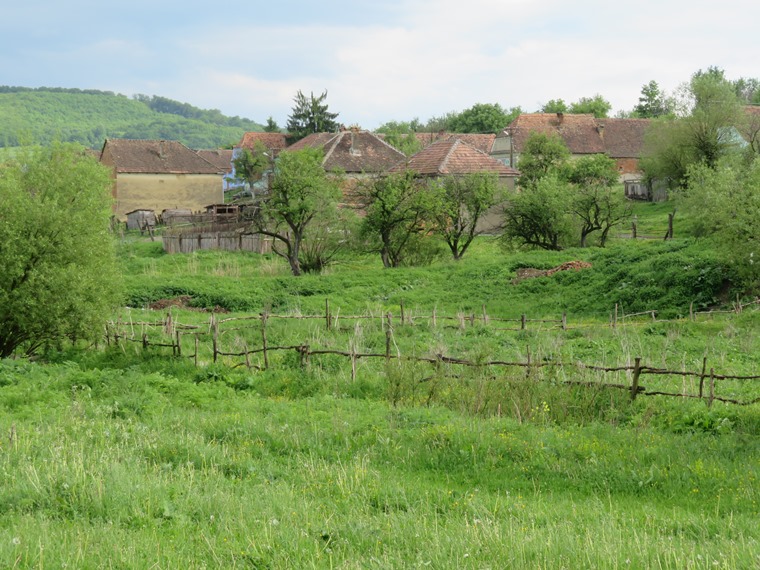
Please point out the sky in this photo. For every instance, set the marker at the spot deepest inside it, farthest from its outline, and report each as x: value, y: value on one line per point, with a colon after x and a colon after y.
x: 379, y: 61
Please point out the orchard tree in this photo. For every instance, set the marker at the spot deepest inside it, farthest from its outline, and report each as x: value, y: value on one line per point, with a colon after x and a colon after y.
x: 401, y: 135
x: 597, y: 199
x: 398, y: 206
x: 540, y: 215
x: 302, y: 193
x: 596, y: 105
x: 249, y: 165
x: 460, y: 204
x: 310, y: 115
x: 541, y: 155
x: 58, y: 273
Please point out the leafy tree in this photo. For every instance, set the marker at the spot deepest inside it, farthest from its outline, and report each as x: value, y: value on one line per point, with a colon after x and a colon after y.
x: 554, y: 106
x: 397, y: 210
x: 271, y: 126
x: 596, y: 105
x: 540, y: 215
x: 401, y: 135
x: 310, y: 115
x: 249, y: 165
x: 58, y: 275
x: 597, y: 202
x: 704, y: 130
x: 725, y: 206
x: 483, y: 118
x: 461, y: 203
x: 541, y: 155
x: 653, y: 102
x: 301, y: 194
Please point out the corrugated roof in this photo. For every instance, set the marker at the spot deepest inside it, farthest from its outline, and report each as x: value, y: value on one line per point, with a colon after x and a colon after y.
x: 154, y: 157
x: 453, y: 156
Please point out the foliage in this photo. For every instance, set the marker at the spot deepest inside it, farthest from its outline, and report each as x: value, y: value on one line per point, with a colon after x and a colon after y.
x: 401, y: 135
x: 310, y: 115
x: 541, y: 155
x: 301, y: 193
x: 725, y: 203
x: 596, y: 105
x: 44, y: 115
x: 271, y: 126
x: 483, y: 118
x: 597, y: 202
x: 397, y: 209
x: 704, y: 130
x: 461, y: 203
x: 540, y: 214
x: 57, y: 269
x: 653, y: 102
x: 249, y: 165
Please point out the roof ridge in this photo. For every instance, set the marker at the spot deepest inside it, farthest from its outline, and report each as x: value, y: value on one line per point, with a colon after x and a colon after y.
x: 446, y: 158
x: 334, y: 140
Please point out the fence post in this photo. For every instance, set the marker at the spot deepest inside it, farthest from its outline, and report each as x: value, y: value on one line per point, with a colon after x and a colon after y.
x: 214, y: 335
x: 179, y: 344
x: 712, y: 388
x: 435, y: 320
x: 702, y: 376
x: 264, y: 339
x: 247, y: 356
x: 485, y: 315
x: 144, y: 341
x: 564, y: 321
x: 635, y: 379
x: 387, y: 345
x: 523, y: 320
x: 401, y: 304
x: 472, y: 320
x: 304, y: 350
x: 327, y: 313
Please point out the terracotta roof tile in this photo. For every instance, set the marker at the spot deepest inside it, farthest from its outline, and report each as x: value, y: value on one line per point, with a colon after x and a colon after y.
x: 482, y: 142
x: 273, y: 141
x: 453, y: 156
x: 352, y: 151
x: 221, y: 158
x: 154, y: 156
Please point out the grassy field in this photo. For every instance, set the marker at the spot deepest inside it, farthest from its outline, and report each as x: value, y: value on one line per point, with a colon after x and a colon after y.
x: 125, y: 457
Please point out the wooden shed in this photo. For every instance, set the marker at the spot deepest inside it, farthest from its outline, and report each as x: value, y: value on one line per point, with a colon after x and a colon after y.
x: 141, y: 219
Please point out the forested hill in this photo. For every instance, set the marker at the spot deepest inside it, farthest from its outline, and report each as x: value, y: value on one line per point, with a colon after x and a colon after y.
x: 42, y: 115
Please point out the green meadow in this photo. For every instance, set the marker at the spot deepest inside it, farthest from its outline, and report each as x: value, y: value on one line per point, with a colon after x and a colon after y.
x: 123, y: 454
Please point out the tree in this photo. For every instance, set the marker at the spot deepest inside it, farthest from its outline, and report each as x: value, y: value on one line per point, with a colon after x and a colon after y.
x: 249, y: 165
x: 271, y: 126
x: 483, y: 118
x: 540, y: 215
x: 397, y: 210
x: 554, y: 106
x: 310, y: 115
x: 596, y: 105
x: 401, y: 135
x: 597, y: 201
x: 541, y: 154
x: 725, y: 206
x: 653, y: 102
x: 461, y: 202
x: 58, y: 275
x: 301, y: 193
x: 704, y: 129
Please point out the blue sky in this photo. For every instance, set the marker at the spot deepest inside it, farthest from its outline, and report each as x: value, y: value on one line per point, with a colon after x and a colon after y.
x: 379, y: 61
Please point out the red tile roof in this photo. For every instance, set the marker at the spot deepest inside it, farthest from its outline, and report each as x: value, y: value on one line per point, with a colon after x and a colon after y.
x: 154, y: 157
x: 583, y: 134
x: 352, y: 151
x: 482, y: 142
x: 273, y: 141
x: 221, y: 158
x: 453, y: 156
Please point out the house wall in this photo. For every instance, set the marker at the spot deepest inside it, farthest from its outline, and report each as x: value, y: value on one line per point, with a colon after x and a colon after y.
x: 163, y: 191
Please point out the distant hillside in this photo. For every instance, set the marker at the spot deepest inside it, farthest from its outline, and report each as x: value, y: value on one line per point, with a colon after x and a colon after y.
x: 43, y: 115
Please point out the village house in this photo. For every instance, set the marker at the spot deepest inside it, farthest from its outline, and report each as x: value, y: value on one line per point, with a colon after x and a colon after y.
x: 454, y: 157
x: 158, y: 175
x: 620, y: 139
x: 222, y: 159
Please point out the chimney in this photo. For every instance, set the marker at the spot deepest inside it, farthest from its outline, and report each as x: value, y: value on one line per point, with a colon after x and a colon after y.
x: 560, y: 116
x: 600, y: 129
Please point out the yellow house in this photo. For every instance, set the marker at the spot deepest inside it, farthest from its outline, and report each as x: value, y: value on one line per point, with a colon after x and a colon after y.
x: 159, y: 175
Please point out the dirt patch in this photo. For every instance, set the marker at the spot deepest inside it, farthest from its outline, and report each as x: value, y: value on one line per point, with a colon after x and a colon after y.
x: 528, y: 272
x: 183, y: 302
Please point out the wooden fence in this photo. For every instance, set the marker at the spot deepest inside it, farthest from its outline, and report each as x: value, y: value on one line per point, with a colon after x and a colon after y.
x: 211, y: 335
